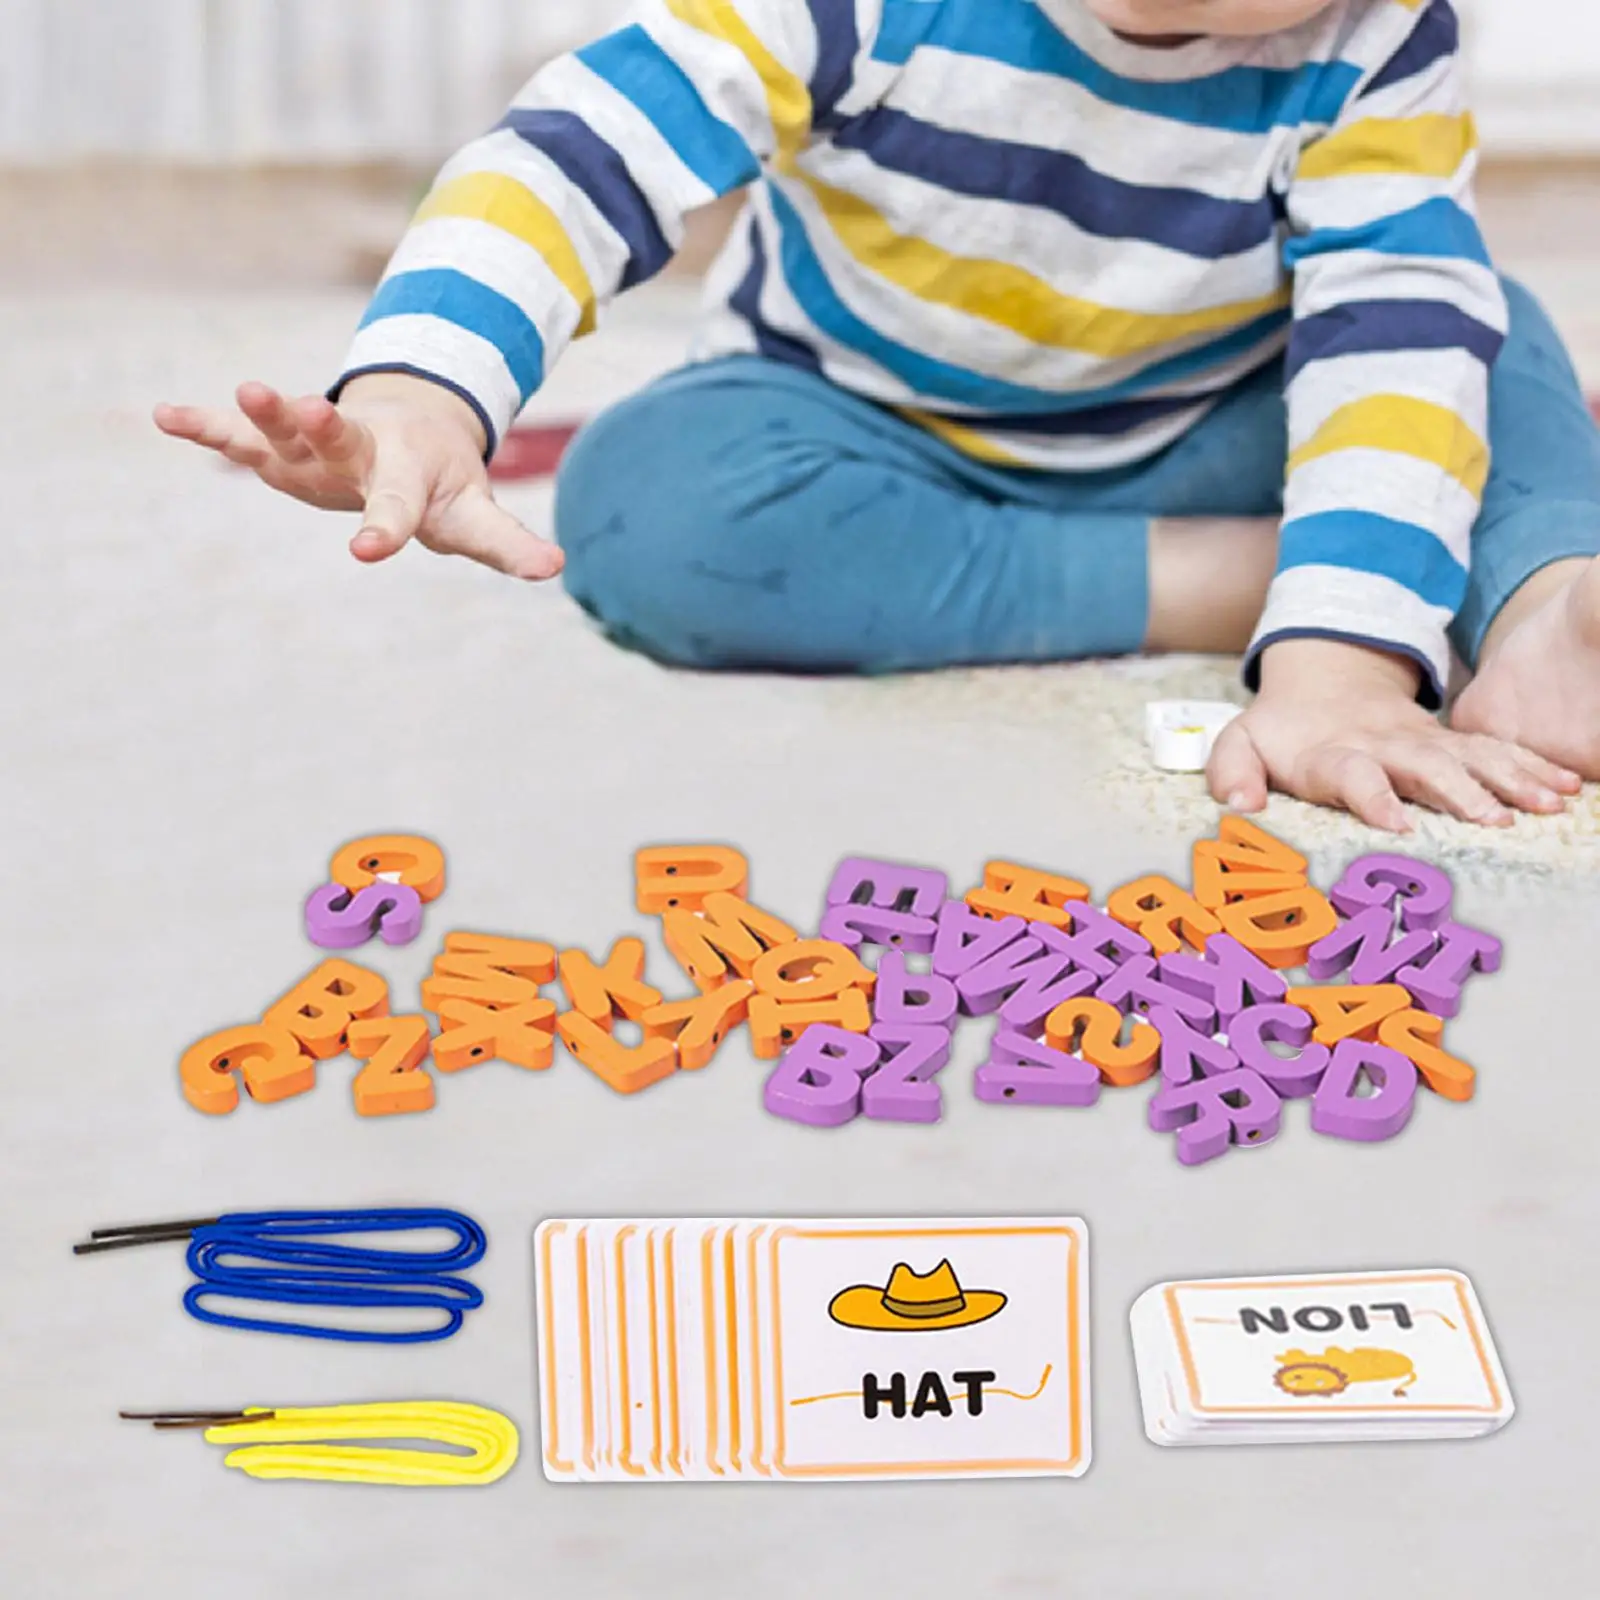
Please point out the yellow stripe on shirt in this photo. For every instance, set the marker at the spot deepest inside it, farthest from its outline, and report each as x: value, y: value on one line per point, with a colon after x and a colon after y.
x: 514, y: 208
x: 788, y: 98
x: 1407, y: 426
x: 1413, y: 147
x: 967, y: 440
x: 1011, y: 296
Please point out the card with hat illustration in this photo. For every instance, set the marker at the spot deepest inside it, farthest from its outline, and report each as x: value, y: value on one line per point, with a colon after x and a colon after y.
x: 711, y: 1350
x: 1318, y: 1358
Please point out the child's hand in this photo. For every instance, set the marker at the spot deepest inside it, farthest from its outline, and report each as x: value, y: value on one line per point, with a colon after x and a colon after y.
x: 406, y: 452
x: 1339, y: 724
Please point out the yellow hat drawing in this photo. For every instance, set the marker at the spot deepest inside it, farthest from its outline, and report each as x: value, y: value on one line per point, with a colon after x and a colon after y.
x: 914, y: 1303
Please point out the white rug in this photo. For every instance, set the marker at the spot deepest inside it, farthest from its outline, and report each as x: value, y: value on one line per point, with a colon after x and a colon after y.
x: 1096, y: 710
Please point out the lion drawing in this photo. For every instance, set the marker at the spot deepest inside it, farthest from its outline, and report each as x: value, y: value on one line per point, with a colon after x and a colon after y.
x: 1332, y: 1371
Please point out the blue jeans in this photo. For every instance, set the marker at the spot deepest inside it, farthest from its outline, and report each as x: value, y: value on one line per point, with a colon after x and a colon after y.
x: 748, y: 514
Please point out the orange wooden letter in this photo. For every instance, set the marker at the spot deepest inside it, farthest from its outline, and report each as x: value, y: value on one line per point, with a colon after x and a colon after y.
x: 700, y: 1025
x: 1167, y: 915
x: 394, y: 1081
x: 1281, y: 928
x: 489, y: 970
x: 602, y: 993
x: 471, y: 1034
x: 676, y: 877
x: 319, y: 1009
x: 1093, y: 1029
x: 728, y: 933
x: 625, y: 1068
x: 1417, y: 1035
x: 1245, y: 845
x: 1347, y: 1011
x: 1012, y: 891
x: 776, y: 1024
x: 268, y: 1057
x: 1216, y: 884
x: 811, y: 969
x: 419, y: 862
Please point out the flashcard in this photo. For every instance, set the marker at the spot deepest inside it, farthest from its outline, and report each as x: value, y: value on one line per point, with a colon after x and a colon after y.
x: 1342, y: 1356
x: 708, y: 1350
x: 561, y: 1344
x: 906, y: 1350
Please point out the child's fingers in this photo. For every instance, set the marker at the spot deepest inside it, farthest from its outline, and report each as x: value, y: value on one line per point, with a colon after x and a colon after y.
x: 1562, y: 779
x: 1341, y: 775
x: 225, y: 432
x: 1436, y: 776
x: 1236, y: 773
x: 394, y: 510
x: 335, y: 440
x: 475, y: 526
x: 268, y: 410
x: 179, y: 422
x: 214, y: 430
x: 1509, y: 772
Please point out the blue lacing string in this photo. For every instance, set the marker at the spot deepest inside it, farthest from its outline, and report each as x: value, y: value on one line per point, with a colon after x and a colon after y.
x: 303, y: 1263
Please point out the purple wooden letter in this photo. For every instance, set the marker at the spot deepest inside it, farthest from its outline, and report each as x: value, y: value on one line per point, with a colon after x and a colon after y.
x: 1228, y: 975
x: 902, y: 1089
x: 1134, y: 989
x: 819, y: 1081
x: 1435, y: 984
x: 1293, y: 1077
x: 1186, y: 1054
x: 860, y: 881
x: 341, y: 919
x: 965, y: 939
x: 1024, y: 1071
x: 858, y: 925
x: 1424, y: 892
x: 1338, y: 1111
x: 920, y: 999
x: 1027, y: 1009
x: 1213, y: 1113
x: 1367, y: 946
x: 987, y: 986
x: 1098, y: 942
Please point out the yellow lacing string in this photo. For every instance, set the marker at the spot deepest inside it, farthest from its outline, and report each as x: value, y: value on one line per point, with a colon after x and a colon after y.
x: 298, y: 1444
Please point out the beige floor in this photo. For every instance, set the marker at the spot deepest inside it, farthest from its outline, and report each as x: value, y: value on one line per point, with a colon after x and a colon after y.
x: 202, y: 695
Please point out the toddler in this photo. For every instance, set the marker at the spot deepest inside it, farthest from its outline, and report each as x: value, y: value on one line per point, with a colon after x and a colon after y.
x: 1050, y: 329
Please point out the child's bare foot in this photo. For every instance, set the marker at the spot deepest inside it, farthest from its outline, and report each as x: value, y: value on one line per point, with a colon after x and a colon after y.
x: 1539, y: 681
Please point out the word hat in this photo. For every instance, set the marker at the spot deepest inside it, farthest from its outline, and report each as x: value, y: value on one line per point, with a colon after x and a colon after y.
x: 914, y: 1303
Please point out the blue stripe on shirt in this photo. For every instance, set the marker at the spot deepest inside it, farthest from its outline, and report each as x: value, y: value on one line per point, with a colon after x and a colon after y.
x: 928, y: 376
x: 989, y: 169
x: 643, y: 73
x: 1437, y: 228
x: 1104, y: 422
x: 1017, y: 33
x: 1436, y: 35
x: 1366, y: 327
x: 455, y: 298
x: 838, y: 45
x: 746, y: 301
x: 1365, y: 542
x: 592, y: 166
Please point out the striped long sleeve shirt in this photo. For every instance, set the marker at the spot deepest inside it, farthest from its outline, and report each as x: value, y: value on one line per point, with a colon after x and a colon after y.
x: 1052, y: 246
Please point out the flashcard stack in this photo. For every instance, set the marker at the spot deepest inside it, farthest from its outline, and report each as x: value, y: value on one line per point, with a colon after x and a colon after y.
x: 1342, y: 1357
x: 708, y: 1351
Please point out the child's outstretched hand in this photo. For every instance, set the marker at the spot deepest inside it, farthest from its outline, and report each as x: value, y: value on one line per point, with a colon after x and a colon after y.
x: 1339, y: 724
x: 406, y: 453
